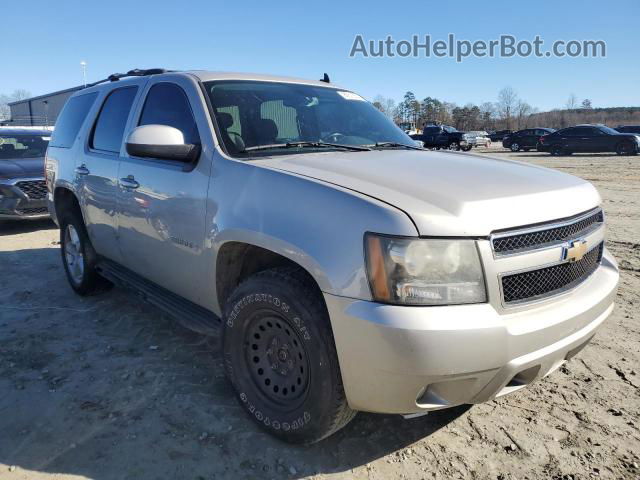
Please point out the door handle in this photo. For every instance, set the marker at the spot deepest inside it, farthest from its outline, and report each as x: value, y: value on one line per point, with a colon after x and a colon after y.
x: 129, y: 182
x: 82, y: 170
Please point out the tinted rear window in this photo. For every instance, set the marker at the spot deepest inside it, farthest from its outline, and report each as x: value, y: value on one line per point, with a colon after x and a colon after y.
x: 112, y: 120
x: 71, y: 119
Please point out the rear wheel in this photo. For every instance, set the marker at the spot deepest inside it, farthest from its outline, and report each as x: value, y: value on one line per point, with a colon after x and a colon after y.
x: 454, y: 146
x: 557, y: 150
x: 78, y: 255
x: 466, y: 149
x: 280, y: 356
x: 515, y: 147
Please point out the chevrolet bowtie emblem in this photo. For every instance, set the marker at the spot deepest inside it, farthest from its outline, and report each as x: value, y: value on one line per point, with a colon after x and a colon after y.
x: 575, y: 251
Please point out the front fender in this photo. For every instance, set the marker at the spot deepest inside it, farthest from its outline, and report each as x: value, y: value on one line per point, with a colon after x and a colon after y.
x: 317, y: 225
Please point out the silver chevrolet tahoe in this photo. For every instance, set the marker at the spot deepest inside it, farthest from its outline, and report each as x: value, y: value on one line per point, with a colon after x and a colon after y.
x: 345, y: 268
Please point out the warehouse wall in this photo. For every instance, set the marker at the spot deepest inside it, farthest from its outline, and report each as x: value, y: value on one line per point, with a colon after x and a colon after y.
x: 43, y: 110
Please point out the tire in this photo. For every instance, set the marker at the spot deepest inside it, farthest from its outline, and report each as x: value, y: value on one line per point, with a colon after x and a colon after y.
x: 454, y: 146
x: 78, y: 256
x: 557, y: 150
x: 626, y: 148
x: 280, y: 309
x: 465, y: 149
x: 515, y: 147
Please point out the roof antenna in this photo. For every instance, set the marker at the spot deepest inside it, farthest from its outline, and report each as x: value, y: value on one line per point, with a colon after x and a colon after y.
x: 325, y: 79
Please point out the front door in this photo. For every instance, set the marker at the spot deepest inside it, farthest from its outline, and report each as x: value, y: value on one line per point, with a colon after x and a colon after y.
x: 162, y: 203
x: 97, y: 170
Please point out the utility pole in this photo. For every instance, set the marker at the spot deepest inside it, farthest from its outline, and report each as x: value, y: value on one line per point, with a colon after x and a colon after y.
x: 83, y: 64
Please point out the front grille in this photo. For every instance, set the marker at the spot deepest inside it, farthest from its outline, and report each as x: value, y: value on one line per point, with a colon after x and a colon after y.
x: 544, y: 236
x: 33, y: 211
x: 34, y: 189
x: 544, y: 282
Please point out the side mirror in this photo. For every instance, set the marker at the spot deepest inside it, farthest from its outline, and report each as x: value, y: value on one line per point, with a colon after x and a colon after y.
x: 160, y: 141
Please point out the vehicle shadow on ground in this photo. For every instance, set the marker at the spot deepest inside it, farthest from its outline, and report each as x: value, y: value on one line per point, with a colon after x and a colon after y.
x: 108, y: 387
x: 16, y: 227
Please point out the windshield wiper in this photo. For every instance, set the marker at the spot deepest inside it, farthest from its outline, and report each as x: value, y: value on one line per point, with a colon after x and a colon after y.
x: 394, y: 145
x: 273, y: 146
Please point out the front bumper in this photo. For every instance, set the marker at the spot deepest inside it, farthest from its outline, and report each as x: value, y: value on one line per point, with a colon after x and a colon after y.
x: 15, y: 203
x: 402, y: 359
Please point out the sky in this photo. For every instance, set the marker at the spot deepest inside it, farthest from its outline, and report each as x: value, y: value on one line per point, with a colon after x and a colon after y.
x: 44, y: 43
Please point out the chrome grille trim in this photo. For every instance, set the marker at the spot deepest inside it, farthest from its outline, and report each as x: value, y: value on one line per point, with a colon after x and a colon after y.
x: 547, y: 235
x: 525, y: 287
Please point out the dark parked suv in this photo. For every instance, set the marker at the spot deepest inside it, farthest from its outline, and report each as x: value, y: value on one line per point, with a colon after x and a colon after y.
x: 629, y: 129
x: 22, y: 186
x: 591, y: 139
x: 525, y: 139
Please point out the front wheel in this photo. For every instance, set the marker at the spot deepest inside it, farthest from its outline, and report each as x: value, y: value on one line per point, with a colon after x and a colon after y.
x: 280, y: 356
x: 454, y: 146
x: 515, y: 147
x: 626, y: 148
x: 557, y: 150
x: 466, y: 149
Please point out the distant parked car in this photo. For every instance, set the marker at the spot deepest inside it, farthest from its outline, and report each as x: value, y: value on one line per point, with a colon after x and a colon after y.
x: 444, y: 136
x: 478, y: 138
x: 499, y: 135
x: 628, y: 129
x: 589, y: 138
x: 22, y: 185
x: 525, y: 139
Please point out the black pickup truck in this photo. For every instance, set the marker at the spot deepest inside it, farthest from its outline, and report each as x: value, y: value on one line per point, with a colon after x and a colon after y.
x: 443, y: 136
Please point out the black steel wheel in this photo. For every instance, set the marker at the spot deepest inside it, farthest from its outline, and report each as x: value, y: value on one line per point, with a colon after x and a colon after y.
x: 280, y: 356
x: 278, y: 359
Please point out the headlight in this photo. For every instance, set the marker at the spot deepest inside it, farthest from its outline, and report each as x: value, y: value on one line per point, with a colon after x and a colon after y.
x: 418, y: 271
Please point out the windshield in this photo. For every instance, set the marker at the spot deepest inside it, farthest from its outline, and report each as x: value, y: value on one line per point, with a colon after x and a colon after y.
x: 15, y: 147
x: 251, y: 114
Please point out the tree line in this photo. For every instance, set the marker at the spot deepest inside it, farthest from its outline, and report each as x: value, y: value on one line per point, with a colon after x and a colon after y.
x: 509, y: 111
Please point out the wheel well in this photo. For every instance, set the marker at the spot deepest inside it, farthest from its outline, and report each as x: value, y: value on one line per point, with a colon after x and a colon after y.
x: 64, y: 200
x: 237, y: 261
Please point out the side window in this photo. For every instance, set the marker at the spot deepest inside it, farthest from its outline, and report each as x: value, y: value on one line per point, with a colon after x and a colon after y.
x: 167, y: 104
x: 71, y: 119
x: 112, y: 120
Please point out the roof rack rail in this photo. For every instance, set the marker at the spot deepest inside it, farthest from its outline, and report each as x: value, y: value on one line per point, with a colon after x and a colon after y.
x: 136, y: 72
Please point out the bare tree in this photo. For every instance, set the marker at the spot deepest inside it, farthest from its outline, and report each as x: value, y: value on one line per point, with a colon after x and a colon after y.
x: 507, y: 103
x: 572, y: 102
x: 586, y: 104
x: 523, y: 110
x: 19, y: 94
x: 385, y: 105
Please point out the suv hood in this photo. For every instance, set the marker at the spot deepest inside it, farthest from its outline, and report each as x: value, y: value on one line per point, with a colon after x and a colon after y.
x: 24, y: 167
x: 448, y: 193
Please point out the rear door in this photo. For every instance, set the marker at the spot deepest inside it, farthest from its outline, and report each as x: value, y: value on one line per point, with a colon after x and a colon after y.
x: 97, y: 169
x: 161, y: 223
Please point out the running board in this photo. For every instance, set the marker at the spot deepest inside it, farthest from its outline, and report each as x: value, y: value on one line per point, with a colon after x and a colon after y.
x: 188, y: 314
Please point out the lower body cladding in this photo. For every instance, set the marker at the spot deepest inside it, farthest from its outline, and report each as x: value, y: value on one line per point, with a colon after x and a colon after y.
x: 409, y: 359
x: 23, y: 199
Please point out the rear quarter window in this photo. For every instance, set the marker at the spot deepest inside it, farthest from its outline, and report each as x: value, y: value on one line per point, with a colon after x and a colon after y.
x: 70, y: 120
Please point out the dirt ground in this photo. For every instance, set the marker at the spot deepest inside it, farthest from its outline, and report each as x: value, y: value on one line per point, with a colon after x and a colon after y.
x: 107, y: 387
